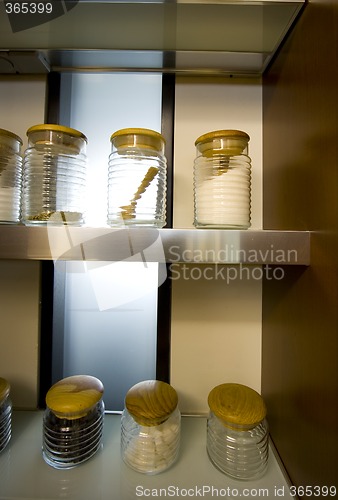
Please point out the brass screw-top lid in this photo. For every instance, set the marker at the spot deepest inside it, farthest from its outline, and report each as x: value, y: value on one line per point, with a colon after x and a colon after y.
x: 151, y: 402
x: 139, y: 138
x: 222, y: 142
x: 217, y: 134
x: 51, y: 127
x: 9, y: 134
x: 73, y: 397
x: 4, y: 389
x: 237, y: 405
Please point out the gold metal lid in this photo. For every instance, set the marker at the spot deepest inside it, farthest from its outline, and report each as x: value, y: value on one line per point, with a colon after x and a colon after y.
x: 237, y: 405
x: 217, y: 134
x: 4, y: 389
x: 48, y: 127
x: 7, y: 133
x: 138, y: 137
x: 73, y: 397
x: 151, y: 402
x: 223, y: 142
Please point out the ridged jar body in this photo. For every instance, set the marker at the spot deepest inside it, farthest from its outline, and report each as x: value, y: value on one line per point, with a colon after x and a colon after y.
x: 10, y: 177
x: 137, y: 179
x: 241, y: 453
x: 222, y: 181
x: 73, y: 421
x: 54, y: 177
x: 69, y: 442
x: 150, y: 427
x: 5, y: 421
x: 150, y: 449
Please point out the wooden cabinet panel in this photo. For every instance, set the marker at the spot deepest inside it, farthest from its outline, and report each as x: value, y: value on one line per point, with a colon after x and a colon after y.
x: 300, y: 319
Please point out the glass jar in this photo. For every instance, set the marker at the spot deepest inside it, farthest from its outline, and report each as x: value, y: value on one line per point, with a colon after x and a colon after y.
x: 73, y: 421
x: 5, y: 414
x: 150, y: 427
x: 10, y: 177
x: 237, y: 431
x: 222, y: 180
x: 54, y: 176
x: 137, y: 178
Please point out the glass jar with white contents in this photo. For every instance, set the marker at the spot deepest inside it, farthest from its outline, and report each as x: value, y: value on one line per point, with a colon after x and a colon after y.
x: 237, y: 431
x: 5, y: 414
x: 150, y: 427
x: 222, y: 180
x: 10, y: 177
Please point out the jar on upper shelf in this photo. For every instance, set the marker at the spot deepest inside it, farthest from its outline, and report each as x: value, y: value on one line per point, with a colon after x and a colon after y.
x: 222, y: 180
x: 5, y: 414
x: 137, y: 178
x: 54, y: 176
x: 150, y: 427
x: 10, y: 177
x: 73, y: 421
x: 237, y: 431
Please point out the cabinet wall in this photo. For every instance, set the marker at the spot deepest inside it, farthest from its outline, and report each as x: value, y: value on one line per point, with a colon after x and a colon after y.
x: 218, y: 331
x: 22, y: 103
x: 300, y: 318
x: 230, y: 313
x: 216, y: 326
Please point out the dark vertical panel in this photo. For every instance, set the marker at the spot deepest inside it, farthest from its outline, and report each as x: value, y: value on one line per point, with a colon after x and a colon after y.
x: 46, y: 330
x: 300, y: 318
x: 52, y: 115
x: 164, y: 290
x: 168, y: 111
x: 164, y: 330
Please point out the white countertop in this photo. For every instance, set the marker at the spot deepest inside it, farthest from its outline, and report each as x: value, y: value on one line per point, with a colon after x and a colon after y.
x: 25, y: 475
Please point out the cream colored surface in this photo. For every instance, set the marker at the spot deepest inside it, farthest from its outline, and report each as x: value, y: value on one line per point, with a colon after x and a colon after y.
x: 204, y: 105
x: 216, y: 326
x: 19, y: 305
x: 216, y: 337
x: 22, y: 101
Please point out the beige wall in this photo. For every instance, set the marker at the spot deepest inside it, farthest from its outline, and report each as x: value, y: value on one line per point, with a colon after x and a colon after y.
x: 22, y: 101
x: 216, y: 327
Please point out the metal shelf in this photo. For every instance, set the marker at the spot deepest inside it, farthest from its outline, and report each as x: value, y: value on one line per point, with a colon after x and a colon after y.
x: 219, y: 36
x: 253, y: 247
x: 24, y: 474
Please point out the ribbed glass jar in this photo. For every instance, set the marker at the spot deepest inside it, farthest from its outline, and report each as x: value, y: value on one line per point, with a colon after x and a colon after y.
x: 150, y: 427
x: 222, y: 180
x: 5, y: 414
x: 10, y: 177
x: 237, y: 431
x: 137, y: 178
x: 73, y: 421
x: 54, y: 176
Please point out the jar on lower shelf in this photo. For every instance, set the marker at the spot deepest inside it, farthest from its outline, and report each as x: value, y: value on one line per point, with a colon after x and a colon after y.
x: 10, y: 177
x: 150, y: 427
x: 237, y: 431
x: 5, y: 414
x: 73, y: 421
